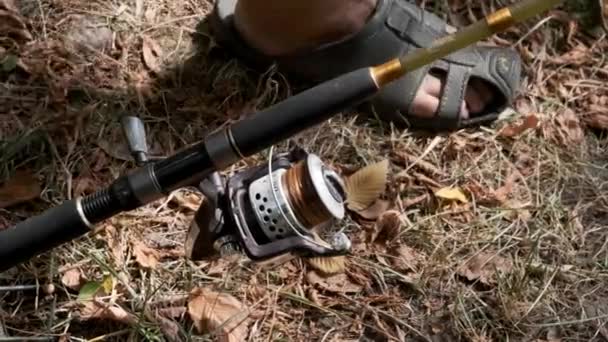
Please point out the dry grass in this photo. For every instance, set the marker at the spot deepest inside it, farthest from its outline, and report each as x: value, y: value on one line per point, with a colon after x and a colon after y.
x: 547, y: 233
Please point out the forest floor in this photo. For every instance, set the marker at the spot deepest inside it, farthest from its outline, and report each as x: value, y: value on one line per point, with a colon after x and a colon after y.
x: 522, y: 257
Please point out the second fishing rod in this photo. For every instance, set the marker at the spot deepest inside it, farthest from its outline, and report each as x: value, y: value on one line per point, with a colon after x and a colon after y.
x: 254, y: 134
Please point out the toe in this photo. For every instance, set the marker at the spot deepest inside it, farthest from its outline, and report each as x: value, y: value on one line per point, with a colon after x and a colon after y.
x: 425, y: 105
x: 474, y: 100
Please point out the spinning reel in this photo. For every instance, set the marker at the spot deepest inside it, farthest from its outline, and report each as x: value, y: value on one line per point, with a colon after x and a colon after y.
x: 266, y: 210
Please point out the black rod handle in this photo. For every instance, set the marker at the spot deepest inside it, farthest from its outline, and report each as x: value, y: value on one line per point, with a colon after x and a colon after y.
x: 302, y: 111
x: 41, y: 233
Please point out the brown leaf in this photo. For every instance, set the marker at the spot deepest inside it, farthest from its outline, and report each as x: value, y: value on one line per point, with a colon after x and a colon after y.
x: 114, y: 150
x: 598, y: 119
x: 144, y: 255
x: 172, y: 312
x: 366, y: 185
x: 219, y: 314
x: 169, y: 328
x: 152, y: 52
x: 410, y: 202
x: 513, y: 130
x: 9, y: 5
x: 565, y: 129
x: 22, y: 187
x: 84, y: 186
x: 387, y: 227
x: 339, y: 283
x: 12, y: 25
x: 96, y: 310
x: 405, y: 258
x: 502, y: 193
x: 188, y: 200
x: 375, y: 210
x: 483, y: 267
x: 407, y: 160
x: 73, y: 279
x: 115, y: 244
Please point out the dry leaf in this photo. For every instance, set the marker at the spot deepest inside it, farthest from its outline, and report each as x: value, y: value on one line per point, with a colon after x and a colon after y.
x: 219, y: 314
x: 452, y: 194
x: 387, y: 227
x: 73, y: 279
x: 22, y: 187
x: 144, y: 255
x: 84, y: 186
x: 339, y: 283
x: 405, y: 258
x: 483, y: 267
x: 12, y: 25
x: 408, y: 160
x: 410, y: 202
x: 597, y: 120
x: 169, y: 328
x: 152, y: 52
x: 97, y: 310
x: 565, y: 129
x: 188, y: 200
x: 115, y: 244
x: 9, y: 5
x: 114, y: 150
x: 366, y: 185
x: 327, y: 265
x: 375, y: 210
x: 513, y: 130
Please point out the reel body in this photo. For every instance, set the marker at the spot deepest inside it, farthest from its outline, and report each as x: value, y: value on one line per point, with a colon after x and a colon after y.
x: 269, y: 210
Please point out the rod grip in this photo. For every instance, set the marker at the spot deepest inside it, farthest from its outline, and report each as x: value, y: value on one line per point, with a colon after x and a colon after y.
x: 302, y: 111
x: 41, y: 233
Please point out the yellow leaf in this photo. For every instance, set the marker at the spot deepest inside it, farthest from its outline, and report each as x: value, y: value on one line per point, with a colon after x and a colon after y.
x: 452, y: 194
x: 108, y: 284
x: 327, y: 265
x: 366, y: 185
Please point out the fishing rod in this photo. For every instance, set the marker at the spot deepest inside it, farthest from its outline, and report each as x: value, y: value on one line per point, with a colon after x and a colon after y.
x: 258, y: 210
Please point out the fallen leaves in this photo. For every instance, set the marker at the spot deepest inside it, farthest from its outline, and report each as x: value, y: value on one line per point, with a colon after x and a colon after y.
x: 484, y: 267
x: 11, y: 22
x: 20, y: 188
x: 405, y: 258
x: 366, y: 185
x: 597, y: 118
x: 339, y: 283
x: 152, y: 53
x: 375, y: 210
x: 218, y: 313
x: 516, y: 129
x: 387, y: 228
x: 565, y: 129
x: 451, y: 194
x: 73, y: 279
x: 145, y: 256
x: 97, y: 310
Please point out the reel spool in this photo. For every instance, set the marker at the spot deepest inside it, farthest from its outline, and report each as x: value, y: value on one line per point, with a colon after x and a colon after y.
x: 270, y: 210
x: 293, y: 201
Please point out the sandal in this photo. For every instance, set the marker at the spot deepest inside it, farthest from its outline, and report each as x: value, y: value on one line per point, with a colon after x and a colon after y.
x: 397, y: 27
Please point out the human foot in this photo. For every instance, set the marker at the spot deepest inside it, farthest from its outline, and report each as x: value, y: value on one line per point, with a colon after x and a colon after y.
x: 320, y: 39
